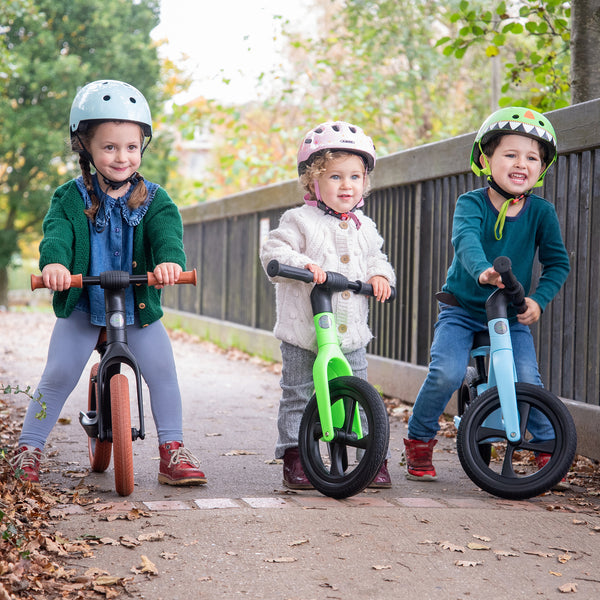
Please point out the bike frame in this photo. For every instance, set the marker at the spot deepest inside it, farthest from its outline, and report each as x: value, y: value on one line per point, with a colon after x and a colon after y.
x: 329, y: 364
x: 116, y: 353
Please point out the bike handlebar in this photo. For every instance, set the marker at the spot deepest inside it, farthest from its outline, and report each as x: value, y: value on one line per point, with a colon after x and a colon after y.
x: 120, y: 277
x: 336, y: 282
x: 503, y: 266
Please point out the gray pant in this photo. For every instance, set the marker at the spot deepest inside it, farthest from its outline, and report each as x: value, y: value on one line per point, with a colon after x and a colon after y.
x: 72, y: 342
x: 297, y: 389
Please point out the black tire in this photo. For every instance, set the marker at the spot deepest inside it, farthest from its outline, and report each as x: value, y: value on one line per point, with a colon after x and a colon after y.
x: 346, y: 465
x: 121, y: 434
x: 513, y: 473
x: 467, y: 394
x: 468, y: 390
x: 99, y: 452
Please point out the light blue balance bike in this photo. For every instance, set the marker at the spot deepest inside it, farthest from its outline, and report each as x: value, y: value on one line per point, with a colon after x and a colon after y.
x: 344, y: 432
x: 498, y: 417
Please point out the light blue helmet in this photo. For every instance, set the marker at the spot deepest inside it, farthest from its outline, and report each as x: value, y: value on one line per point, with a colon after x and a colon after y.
x: 110, y: 100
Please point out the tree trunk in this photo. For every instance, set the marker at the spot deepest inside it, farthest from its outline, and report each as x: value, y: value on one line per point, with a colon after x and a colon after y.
x: 585, y: 50
x: 3, y: 288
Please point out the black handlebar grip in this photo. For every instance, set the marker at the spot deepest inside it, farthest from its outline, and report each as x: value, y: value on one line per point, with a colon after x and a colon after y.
x: 276, y: 269
x: 503, y: 266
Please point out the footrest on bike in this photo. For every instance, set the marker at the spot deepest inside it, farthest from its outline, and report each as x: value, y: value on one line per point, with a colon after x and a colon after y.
x: 89, y: 421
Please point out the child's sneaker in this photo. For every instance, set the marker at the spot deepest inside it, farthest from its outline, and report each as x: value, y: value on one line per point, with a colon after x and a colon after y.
x: 178, y: 466
x: 418, y: 455
x: 541, y: 460
x: 26, y: 463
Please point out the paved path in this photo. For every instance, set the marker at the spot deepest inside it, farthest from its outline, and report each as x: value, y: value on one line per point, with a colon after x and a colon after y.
x: 243, y: 535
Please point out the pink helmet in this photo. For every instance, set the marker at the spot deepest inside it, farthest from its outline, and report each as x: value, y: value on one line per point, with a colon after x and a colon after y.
x: 336, y: 135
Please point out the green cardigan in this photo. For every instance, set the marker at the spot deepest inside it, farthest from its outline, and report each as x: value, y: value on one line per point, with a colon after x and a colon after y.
x: 158, y: 238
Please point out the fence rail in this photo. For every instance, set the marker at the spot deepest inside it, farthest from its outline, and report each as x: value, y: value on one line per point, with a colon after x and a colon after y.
x: 412, y: 202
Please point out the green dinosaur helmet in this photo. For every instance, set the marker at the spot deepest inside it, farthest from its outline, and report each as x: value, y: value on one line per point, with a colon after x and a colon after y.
x: 515, y: 120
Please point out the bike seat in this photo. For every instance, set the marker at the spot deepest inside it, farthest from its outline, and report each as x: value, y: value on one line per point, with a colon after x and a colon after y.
x: 481, y: 338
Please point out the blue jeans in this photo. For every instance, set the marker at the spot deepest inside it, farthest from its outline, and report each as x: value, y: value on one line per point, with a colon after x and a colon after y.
x: 450, y: 352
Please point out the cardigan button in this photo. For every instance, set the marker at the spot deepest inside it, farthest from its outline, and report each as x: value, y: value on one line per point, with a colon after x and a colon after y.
x: 344, y: 225
x: 134, y: 264
x: 345, y: 258
x: 346, y: 294
x: 141, y: 306
x: 343, y: 328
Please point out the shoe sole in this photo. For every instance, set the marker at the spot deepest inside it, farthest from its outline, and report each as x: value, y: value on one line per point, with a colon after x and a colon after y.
x: 191, y: 481
x: 421, y: 477
x: 297, y: 486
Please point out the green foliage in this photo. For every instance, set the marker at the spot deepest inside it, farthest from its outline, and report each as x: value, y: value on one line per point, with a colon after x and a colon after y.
x: 50, y: 48
x: 532, y: 39
x: 11, y: 389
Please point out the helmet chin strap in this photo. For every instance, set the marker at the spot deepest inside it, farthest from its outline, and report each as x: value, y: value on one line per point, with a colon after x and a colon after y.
x: 329, y: 211
x: 509, y: 199
x: 114, y: 185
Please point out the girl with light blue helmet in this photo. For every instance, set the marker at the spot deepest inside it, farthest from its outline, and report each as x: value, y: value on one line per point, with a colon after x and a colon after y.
x: 110, y: 219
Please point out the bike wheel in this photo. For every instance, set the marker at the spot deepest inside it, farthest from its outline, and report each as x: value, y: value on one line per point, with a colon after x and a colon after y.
x: 99, y: 452
x: 467, y: 394
x: 348, y: 464
x: 513, y: 473
x: 121, y: 434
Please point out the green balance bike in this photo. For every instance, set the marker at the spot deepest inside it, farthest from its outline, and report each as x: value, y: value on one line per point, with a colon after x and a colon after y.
x: 344, y: 431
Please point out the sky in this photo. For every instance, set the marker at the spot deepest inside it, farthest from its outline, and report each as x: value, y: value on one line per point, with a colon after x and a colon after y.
x: 237, y: 39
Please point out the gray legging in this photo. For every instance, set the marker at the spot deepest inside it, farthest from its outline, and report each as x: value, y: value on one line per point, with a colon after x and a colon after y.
x: 72, y: 342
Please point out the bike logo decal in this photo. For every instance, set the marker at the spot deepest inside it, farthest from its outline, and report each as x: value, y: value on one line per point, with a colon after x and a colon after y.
x: 500, y: 327
x: 117, y: 321
x: 324, y: 322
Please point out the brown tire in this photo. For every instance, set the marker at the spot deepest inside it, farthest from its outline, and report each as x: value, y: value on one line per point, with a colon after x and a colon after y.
x: 121, y: 434
x: 98, y: 451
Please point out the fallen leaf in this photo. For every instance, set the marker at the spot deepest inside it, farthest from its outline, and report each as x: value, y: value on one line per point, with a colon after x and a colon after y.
x: 128, y: 542
x: 107, y: 580
x: 475, y: 546
x: 452, y: 547
x: 153, y: 536
x: 281, y: 559
x: 500, y: 553
x: 381, y: 567
x: 541, y: 554
x: 468, y: 563
x: 568, y: 588
x: 556, y: 574
x: 168, y: 555
x: 483, y: 538
x: 563, y: 558
x: 239, y: 453
x: 298, y: 542
x: 147, y: 566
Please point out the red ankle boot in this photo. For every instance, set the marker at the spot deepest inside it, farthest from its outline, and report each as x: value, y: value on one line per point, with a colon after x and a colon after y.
x: 293, y: 473
x: 178, y: 466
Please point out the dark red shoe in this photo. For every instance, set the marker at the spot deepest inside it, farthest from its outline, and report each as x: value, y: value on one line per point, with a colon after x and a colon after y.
x: 178, y: 466
x: 26, y: 464
x: 418, y: 455
x: 293, y: 473
x: 382, y: 479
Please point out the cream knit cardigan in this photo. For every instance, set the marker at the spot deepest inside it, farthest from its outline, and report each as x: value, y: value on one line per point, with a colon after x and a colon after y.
x: 307, y: 235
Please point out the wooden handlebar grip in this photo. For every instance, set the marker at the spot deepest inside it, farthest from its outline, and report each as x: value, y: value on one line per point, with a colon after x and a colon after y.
x: 37, y: 282
x: 184, y: 277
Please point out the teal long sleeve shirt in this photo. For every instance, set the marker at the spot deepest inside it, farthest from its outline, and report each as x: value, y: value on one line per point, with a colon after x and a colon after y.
x: 157, y: 238
x: 534, y: 229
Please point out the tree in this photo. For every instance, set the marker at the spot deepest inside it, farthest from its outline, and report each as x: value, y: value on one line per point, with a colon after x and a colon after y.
x: 549, y: 47
x: 50, y: 49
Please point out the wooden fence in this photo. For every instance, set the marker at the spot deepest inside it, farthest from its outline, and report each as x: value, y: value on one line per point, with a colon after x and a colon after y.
x: 412, y: 202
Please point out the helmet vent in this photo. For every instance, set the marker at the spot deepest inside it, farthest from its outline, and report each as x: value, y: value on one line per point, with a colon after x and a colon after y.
x: 106, y: 98
x: 308, y: 141
x: 352, y: 129
x: 132, y: 100
x: 335, y: 127
x: 319, y: 130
